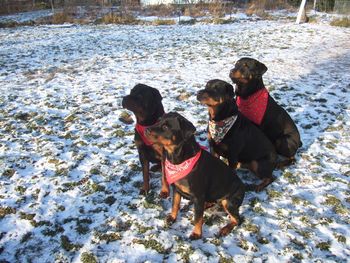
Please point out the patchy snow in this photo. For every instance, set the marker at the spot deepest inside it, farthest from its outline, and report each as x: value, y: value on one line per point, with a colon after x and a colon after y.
x: 69, y: 171
x: 26, y: 16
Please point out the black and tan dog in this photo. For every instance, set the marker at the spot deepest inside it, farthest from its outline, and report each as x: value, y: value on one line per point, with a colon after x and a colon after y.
x: 195, y: 174
x: 233, y: 136
x: 146, y: 103
x: 256, y: 104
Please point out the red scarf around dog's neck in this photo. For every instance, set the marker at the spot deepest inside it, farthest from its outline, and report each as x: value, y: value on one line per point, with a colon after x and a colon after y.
x: 254, y: 106
x: 141, y: 131
x: 175, y: 172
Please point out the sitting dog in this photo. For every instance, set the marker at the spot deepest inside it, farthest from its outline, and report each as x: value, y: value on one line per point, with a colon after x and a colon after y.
x: 233, y: 136
x: 146, y: 103
x: 195, y: 174
x: 255, y: 102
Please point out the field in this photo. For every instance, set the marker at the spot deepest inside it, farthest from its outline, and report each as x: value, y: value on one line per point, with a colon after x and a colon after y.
x: 69, y: 171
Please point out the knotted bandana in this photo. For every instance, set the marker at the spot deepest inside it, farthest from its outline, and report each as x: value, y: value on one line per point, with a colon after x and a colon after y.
x: 218, y: 129
x: 254, y: 106
x: 175, y: 172
x: 141, y: 131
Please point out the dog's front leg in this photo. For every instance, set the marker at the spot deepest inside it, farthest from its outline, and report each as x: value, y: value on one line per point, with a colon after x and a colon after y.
x: 198, y: 218
x: 175, y: 207
x: 211, y: 146
x: 145, y: 173
x: 164, y: 192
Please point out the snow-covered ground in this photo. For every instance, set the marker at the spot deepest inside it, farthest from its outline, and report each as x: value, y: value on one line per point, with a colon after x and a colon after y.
x: 69, y: 171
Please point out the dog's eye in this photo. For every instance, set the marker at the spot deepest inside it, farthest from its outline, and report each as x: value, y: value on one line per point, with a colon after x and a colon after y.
x: 165, y: 127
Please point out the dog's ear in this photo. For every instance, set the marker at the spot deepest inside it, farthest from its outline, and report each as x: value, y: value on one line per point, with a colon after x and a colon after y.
x: 126, y: 102
x: 229, y: 91
x: 187, y: 128
x: 156, y: 94
x: 259, y: 69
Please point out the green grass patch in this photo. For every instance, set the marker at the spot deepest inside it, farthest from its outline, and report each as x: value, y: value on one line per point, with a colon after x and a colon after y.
x: 108, y: 237
x: 67, y: 245
x: 273, y: 194
x: 151, y: 244
x: 88, y: 257
x: 6, y: 211
x: 290, y: 177
x: 251, y: 227
x: 337, y: 205
x: 26, y: 216
x: 324, y: 246
x: 9, y: 173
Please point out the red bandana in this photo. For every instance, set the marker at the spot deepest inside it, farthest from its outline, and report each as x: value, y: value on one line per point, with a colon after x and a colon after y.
x: 141, y: 130
x: 254, y: 106
x: 175, y: 172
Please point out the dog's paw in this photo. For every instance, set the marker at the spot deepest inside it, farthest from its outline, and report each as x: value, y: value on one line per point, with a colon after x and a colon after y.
x: 226, y: 230
x: 169, y: 220
x: 144, y: 191
x: 164, y: 194
x: 195, y: 236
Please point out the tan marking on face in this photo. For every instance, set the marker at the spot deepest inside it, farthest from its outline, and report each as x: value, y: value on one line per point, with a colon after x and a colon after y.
x: 210, y: 102
x: 239, y: 76
x: 168, y: 145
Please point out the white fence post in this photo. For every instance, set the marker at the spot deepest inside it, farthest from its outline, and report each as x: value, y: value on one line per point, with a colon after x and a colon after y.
x: 301, y: 10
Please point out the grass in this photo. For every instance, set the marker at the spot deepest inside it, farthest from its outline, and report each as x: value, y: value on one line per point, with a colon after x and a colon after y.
x: 325, y: 246
x: 67, y: 245
x: 111, y: 18
x: 164, y: 22
x: 88, y: 257
x: 6, y: 211
x: 108, y: 237
x: 343, y: 22
x: 61, y: 18
x: 151, y: 244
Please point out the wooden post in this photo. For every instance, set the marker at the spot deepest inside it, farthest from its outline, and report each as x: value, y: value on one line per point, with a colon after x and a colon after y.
x: 301, y: 10
x: 315, y: 3
x: 52, y: 7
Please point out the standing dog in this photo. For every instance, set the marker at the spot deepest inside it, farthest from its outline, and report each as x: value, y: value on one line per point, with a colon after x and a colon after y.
x: 195, y: 174
x: 256, y: 104
x: 146, y: 103
x: 233, y: 136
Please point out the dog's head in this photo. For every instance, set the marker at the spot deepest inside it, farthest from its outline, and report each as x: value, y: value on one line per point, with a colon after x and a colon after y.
x: 247, y: 75
x: 144, y: 101
x: 172, y: 130
x: 218, y: 96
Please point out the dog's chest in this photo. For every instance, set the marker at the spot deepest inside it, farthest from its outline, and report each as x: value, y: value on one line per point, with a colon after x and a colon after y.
x: 222, y: 149
x: 183, y: 188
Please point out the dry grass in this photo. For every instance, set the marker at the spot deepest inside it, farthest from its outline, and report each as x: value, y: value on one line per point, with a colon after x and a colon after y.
x: 164, y: 22
x: 343, y: 22
x: 160, y: 10
x: 61, y: 18
x: 271, y: 4
x: 118, y: 19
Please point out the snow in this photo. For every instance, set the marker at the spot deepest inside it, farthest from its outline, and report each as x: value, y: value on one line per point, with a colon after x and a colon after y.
x: 64, y: 152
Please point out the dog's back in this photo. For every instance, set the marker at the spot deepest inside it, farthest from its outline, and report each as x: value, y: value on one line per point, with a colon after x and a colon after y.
x: 276, y: 123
